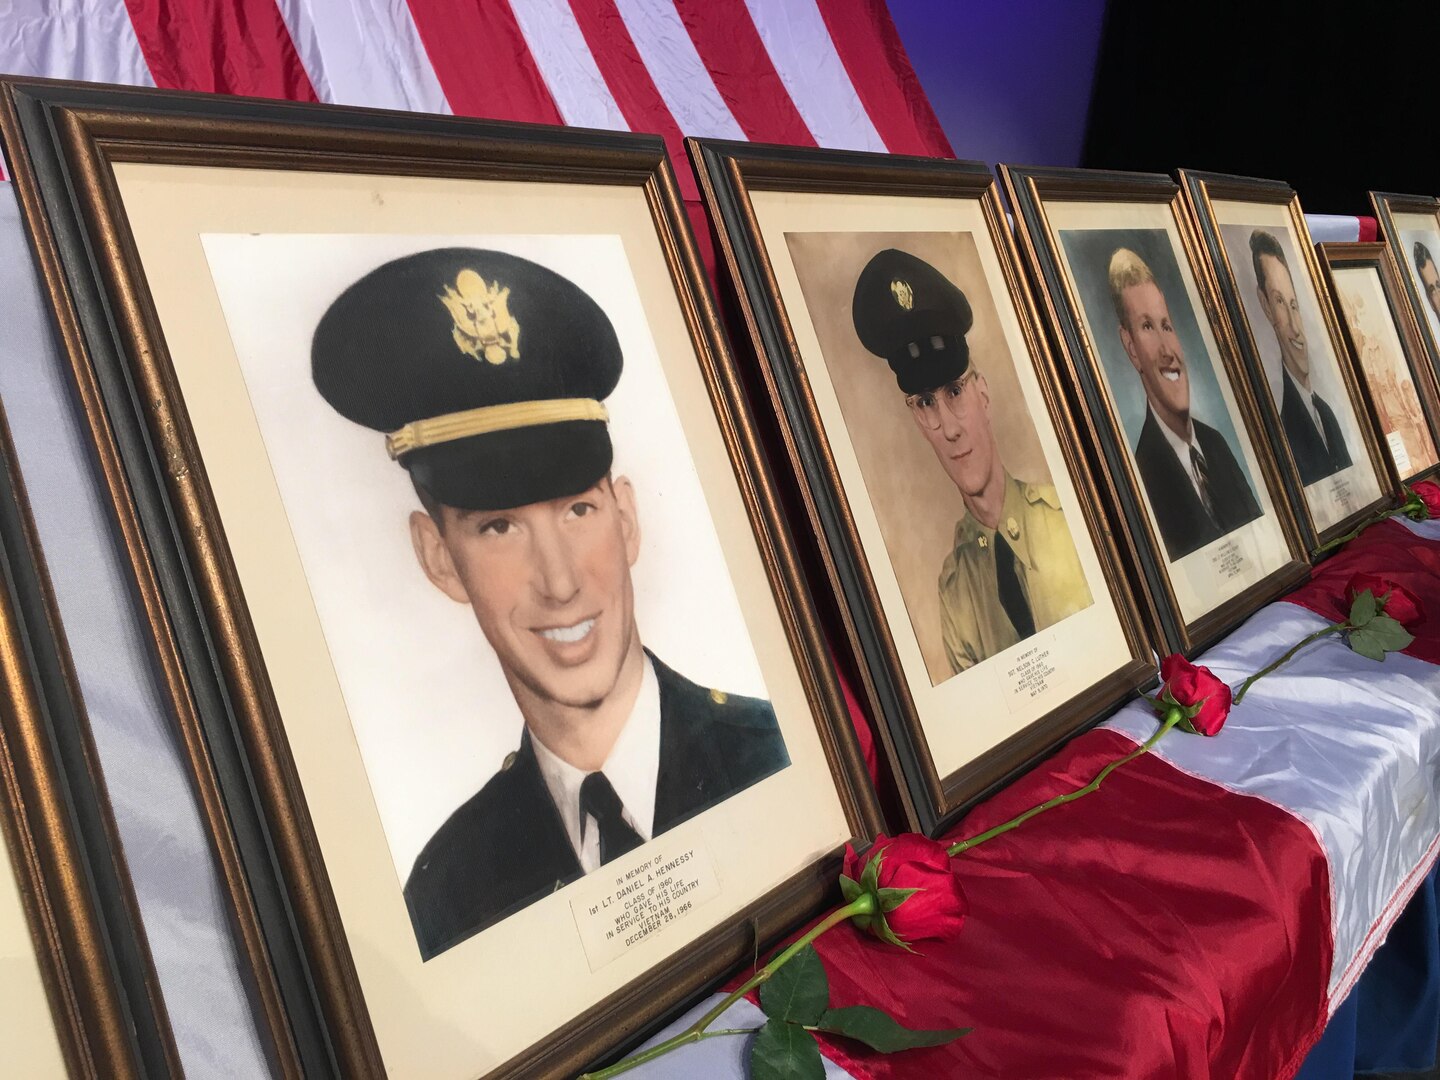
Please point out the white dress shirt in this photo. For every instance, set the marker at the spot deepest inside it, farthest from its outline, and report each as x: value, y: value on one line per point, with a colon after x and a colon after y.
x: 633, y: 769
x: 1182, y: 450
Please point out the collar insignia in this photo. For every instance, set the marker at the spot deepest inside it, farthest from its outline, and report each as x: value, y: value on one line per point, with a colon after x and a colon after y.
x: 484, y: 327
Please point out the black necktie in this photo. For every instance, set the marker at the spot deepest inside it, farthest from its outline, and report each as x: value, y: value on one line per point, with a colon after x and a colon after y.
x: 1012, y: 596
x: 1318, y: 417
x: 1202, y: 479
x: 598, y: 799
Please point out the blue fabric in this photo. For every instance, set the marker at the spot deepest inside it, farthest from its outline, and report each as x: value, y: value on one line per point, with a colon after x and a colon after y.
x: 1391, y: 1021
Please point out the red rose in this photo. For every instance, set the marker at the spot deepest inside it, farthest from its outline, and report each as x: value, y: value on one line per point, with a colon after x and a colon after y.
x: 1429, y: 494
x: 930, y: 903
x: 1395, y: 600
x: 1191, y: 685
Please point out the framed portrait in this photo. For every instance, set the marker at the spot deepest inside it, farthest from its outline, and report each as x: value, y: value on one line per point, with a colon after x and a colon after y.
x: 1152, y: 362
x: 452, y: 524
x: 1262, y: 258
x: 1410, y: 224
x: 78, y: 993
x: 983, y: 588
x: 1385, y: 343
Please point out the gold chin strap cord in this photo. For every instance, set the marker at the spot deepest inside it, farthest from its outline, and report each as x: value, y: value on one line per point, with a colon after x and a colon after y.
x: 462, y: 425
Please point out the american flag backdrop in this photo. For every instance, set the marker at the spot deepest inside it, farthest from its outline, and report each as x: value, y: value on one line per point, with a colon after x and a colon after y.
x: 804, y: 72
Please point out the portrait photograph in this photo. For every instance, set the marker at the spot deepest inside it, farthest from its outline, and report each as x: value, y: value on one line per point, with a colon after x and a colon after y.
x: 1301, y: 368
x: 512, y: 595
x: 973, y: 524
x: 1176, y: 407
x: 1418, y: 252
x: 521, y: 634
x: 1387, y: 352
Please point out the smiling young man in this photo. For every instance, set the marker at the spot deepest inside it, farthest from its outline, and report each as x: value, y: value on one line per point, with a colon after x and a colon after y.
x: 1429, y: 276
x: 1316, y: 442
x: 1196, y: 487
x: 1013, y: 569
x: 487, y: 372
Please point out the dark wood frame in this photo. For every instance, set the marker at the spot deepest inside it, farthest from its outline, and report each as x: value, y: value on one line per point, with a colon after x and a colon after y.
x: 1386, y: 205
x: 55, y: 816
x: 1379, y: 257
x: 1201, y: 189
x: 729, y: 172
x: 1028, y: 189
x: 61, y: 140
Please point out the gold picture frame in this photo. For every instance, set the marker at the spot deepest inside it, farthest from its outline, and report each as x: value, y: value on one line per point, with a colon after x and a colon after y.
x: 959, y: 704
x: 119, y: 192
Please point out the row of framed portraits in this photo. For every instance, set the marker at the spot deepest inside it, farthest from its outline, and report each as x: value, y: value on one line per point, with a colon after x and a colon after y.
x: 990, y: 473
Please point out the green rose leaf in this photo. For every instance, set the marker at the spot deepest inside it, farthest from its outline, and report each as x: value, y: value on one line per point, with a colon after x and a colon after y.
x: 1363, y: 609
x: 1388, y: 633
x: 882, y: 1032
x: 785, y: 1052
x: 1363, y: 642
x: 798, y: 991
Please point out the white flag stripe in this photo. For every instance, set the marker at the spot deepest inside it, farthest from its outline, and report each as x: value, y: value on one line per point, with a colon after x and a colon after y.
x: 677, y: 70
x: 1359, y: 772
x: 364, y: 52
x: 91, y: 40
x: 799, y: 45
x: 558, y: 47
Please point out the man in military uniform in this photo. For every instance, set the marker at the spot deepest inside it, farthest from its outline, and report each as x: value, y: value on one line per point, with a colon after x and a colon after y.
x: 487, y: 372
x: 1196, y: 487
x: 1014, y: 569
x: 1316, y: 441
x: 1429, y: 275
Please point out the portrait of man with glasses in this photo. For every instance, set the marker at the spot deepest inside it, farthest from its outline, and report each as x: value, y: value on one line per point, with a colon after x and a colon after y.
x: 1013, y: 569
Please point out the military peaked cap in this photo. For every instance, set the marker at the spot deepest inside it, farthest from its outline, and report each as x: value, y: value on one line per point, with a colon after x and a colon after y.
x: 913, y: 317
x: 485, y: 371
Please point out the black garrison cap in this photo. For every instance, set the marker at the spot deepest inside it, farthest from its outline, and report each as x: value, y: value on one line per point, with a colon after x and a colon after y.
x: 485, y: 371
x: 912, y: 316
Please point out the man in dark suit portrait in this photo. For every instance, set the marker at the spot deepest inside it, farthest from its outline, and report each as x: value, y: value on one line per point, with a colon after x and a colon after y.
x: 1316, y: 442
x: 1429, y: 276
x: 1196, y: 487
x: 487, y: 373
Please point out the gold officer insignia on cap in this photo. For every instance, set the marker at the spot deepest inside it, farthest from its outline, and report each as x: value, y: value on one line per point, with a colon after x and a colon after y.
x: 719, y: 697
x: 1013, y: 528
x: 904, y: 295
x: 484, y: 327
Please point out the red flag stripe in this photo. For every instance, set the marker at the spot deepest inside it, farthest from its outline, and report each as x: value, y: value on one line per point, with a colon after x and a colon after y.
x: 870, y: 48
x: 482, y: 61
x: 630, y: 84
x: 730, y: 46
x: 220, y: 46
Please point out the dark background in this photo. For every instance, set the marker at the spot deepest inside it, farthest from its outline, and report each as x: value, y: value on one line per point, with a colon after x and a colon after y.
x: 1335, y: 99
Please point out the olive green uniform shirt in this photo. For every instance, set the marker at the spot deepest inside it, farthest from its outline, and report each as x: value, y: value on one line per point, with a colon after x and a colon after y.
x: 973, y: 621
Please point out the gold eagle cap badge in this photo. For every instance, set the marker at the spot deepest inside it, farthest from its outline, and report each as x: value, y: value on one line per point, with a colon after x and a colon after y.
x: 484, y: 327
x: 904, y: 295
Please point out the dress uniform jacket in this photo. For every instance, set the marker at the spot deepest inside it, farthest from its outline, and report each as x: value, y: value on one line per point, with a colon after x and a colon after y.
x: 973, y: 621
x: 1315, y: 457
x: 1185, y: 526
x: 506, y: 846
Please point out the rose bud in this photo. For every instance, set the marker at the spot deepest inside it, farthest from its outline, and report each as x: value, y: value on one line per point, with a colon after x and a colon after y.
x: 1205, y: 698
x: 1394, y: 600
x: 918, y: 896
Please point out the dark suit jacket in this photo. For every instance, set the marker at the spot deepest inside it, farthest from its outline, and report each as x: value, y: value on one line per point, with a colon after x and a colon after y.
x: 1184, y: 524
x: 506, y: 847
x: 1312, y: 457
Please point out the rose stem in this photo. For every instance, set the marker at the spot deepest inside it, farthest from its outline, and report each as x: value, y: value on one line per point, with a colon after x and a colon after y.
x: 1172, y: 717
x: 861, y: 905
x: 1333, y: 628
